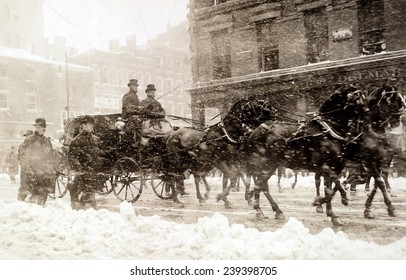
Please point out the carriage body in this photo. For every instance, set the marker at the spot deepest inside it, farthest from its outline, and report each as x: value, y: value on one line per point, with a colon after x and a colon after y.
x: 125, y: 166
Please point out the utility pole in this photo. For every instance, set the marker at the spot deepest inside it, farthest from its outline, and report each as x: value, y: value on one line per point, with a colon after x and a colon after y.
x: 67, y: 86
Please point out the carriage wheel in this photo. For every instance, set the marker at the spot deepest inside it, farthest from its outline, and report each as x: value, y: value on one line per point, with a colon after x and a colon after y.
x: 107, y: 186
x: 127, y: 180
x: 160, y: 186
x: 61, y: 186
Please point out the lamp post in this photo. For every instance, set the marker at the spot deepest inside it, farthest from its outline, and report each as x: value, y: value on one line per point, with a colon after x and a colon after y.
x: 67, y: 86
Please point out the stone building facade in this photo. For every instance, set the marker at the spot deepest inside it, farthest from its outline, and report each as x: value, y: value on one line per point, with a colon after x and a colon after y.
x: 293, y: 52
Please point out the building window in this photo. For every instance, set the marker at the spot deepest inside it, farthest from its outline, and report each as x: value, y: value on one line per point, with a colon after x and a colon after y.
x: 31, y: 95
x: 220, y: 47
x: 31, y: 101
x: 372, y: 26
x: 268, y: 53
x: 3, y: 99
x: 315, y: 21
x: 104, y: 75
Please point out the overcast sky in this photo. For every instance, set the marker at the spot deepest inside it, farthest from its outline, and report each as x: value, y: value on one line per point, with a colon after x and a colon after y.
x: 92, y: 23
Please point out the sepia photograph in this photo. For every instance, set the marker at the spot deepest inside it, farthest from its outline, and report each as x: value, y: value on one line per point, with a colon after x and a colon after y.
x: 215, y: 130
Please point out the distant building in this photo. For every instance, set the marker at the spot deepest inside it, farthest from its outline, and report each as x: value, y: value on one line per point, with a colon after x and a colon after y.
x: 32, y: 86
x: 22, y: 25
x: 293, y: 52
x: 159, y: 62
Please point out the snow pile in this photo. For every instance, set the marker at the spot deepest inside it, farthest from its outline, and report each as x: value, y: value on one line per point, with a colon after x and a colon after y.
x: 58, y: 232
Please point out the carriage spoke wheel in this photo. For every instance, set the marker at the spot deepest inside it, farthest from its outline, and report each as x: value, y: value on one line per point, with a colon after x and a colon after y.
x: 127, y: 180
x: 106, y: 187
x: 160, y: 186
x: 61, y: 186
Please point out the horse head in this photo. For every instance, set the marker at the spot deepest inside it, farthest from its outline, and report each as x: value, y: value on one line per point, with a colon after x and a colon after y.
x: 386, y: 105
x: 250, y: 112
x: 345, y: 110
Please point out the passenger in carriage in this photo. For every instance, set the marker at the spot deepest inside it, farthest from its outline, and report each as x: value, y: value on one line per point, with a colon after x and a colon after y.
x: 153, y: 114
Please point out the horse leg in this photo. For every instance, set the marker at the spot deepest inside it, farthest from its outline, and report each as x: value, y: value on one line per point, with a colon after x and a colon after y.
x: 247, y: 183
x: 378, y: 184
x: 317, y: 176
x: 230, y: 174
x: 367, y: 183
x: 278, y: 212
x: 295, y: 182
x: 177, y: 186
x: 385, y: 175
x: 198, y: 178
x: 335, y: 220
x: 279, y: 171
x: 206, y: 195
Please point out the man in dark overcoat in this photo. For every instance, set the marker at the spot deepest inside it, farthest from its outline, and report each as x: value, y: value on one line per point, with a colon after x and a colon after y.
x: 37, y: 166
x: 153, y: 113
x: 84, y: 159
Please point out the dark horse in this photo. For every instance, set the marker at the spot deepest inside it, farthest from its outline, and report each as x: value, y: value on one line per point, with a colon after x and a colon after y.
x: 373, y: 148
x: 317, y: 145
x: 219, y: 145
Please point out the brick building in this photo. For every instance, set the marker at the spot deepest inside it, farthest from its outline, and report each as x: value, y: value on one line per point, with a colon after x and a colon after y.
x: 292, y: 51
x: 164, y: 61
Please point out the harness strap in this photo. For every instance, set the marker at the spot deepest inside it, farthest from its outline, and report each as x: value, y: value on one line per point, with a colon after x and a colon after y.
x: 221, y: 124
x: 328, y: 128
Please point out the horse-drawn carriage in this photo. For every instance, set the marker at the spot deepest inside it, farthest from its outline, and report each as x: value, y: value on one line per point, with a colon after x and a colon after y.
x: 125, y: 166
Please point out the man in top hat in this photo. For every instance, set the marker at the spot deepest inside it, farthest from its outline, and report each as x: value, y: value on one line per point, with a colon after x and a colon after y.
x: 151, y: 106
x: 84, y: 159
x: 153, y: 114
x: 37, y: 167
x: 131, y: 108
x: 131, y: 102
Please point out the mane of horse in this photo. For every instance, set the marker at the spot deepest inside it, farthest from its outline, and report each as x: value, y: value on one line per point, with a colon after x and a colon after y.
x: 338, y: 110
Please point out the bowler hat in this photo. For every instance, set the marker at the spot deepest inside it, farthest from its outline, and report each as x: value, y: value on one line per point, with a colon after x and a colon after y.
x: 150, y: 87
x: 133, y: 82
x: 86, y: 119
x: 28, y: 133
x: 40, y: 122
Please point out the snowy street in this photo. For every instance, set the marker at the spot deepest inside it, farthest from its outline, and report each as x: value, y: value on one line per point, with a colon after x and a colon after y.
x: 156, y: 229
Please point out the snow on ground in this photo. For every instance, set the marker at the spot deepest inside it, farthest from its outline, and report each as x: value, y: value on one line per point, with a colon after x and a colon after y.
x: 55, y: 232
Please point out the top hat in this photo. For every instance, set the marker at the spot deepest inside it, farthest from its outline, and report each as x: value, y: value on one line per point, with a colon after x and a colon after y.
x: 28, y: 133
x: 40, y: 122
x: 133, y: 82
x: 150, y: 87
x: 86, y: 119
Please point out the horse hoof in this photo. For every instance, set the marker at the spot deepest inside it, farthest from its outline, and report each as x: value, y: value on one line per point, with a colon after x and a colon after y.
x: 280, y: 190
x: 228, y: 206
x: 391, y: 211
x: 293, y: 186
x: 260, y: 216
x: 206, y: 196
x: 219, y: 197
x: 336, y: 221
x: 368, y: 214
x: 344, y: 201
x: 319, y: 209
x: 317, y: 201
x: 279, y: 216
x: 367, y: 189
x: 202, y: 200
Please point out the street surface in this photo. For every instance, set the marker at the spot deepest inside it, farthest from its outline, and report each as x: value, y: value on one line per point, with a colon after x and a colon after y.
x: 294, y: 203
